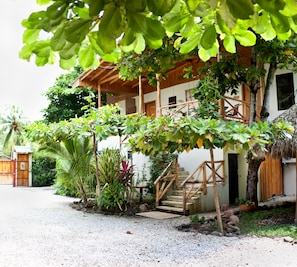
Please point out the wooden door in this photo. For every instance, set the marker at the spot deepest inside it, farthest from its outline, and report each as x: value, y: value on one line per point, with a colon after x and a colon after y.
x: 22, y: 170
x: 271, y: 178
x: 150, y: 109
x: 6, y: 172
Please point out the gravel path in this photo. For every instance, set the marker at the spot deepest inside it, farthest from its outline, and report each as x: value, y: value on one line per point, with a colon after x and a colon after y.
x: 38, y: 228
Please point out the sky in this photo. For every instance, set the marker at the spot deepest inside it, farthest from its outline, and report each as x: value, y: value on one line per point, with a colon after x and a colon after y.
x: 22, y: 82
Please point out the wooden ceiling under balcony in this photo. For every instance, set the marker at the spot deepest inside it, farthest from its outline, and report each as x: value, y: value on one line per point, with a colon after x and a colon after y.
x: 106, y: 77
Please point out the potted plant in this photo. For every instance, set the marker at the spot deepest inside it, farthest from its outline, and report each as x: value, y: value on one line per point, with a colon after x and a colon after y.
x: 197, y: 221
x: 245, y: 205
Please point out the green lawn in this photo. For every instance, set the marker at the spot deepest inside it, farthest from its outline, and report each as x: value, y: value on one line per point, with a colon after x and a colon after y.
x: 274, y: 222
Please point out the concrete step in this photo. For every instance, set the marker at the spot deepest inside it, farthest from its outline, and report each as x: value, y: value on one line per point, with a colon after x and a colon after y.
x: 179, y: 198
x: 170, y: 209
x: 176, y: 204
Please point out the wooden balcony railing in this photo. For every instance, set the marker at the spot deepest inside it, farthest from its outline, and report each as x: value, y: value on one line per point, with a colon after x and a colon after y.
x: 167, y: 179
x: 231, y: 108
x: 199, y: 179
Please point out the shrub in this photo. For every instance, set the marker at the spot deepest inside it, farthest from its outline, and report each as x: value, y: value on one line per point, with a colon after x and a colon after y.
x: 43, y: 171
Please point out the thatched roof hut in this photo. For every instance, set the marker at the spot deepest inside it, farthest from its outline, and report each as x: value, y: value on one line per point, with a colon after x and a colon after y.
x: 287, y: 147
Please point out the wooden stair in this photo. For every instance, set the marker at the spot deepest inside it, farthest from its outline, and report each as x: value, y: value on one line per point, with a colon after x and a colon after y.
x: 174, y: 200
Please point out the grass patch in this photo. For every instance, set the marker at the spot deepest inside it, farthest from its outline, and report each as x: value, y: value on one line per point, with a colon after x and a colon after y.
x: 274, y: 222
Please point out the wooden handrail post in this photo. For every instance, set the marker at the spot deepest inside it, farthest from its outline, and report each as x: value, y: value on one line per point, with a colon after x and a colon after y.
x: 176, y: 171
x: 184, y: 199
x: 157, y: 193
x: 204, y: 180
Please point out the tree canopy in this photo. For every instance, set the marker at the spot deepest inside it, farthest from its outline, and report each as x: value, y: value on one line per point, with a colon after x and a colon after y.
x: 66, y: 102
x: 90, y: 29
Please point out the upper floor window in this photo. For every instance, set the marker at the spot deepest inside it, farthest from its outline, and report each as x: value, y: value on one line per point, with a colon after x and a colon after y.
x: 285, y: 91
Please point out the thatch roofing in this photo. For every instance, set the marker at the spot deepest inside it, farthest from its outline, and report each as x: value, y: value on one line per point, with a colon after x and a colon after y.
x: 287, y: 147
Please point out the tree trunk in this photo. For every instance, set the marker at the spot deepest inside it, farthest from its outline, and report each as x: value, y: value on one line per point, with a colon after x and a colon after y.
x: 252, y: 178
x: 215, y: 192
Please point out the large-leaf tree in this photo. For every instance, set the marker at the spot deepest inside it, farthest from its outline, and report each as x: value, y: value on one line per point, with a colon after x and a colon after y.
x: 89, y: 29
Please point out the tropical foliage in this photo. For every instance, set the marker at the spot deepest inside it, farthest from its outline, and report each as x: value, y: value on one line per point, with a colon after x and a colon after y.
x: 13, y: 125
x: 90, y: 29
x: 66, y: 102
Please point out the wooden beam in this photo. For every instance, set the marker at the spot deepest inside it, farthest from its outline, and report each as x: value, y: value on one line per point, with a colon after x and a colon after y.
x: 99, y: 95
x: 140, y: 95
x: 158, y: 96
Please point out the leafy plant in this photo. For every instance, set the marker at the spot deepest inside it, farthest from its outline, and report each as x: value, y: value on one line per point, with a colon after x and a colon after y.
x: 43, y: 171
x: 243, y: 201
x: 116, y: 183
x: 195, y: 218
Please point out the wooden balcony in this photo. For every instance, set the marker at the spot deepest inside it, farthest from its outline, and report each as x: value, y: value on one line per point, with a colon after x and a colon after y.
x: 231, y: 108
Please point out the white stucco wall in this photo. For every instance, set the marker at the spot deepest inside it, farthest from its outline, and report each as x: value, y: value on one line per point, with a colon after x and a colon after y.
x: 289, y: 170
x: 273, y: 110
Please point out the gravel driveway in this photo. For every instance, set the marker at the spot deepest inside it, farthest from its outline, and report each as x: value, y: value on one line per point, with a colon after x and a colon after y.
x: 38, y: 228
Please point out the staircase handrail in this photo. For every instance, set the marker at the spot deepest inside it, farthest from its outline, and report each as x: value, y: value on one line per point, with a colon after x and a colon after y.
x: 198, y: 185
x: 161, y: 190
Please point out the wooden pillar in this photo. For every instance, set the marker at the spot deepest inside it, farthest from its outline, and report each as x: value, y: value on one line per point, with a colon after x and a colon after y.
x: 140, y: 95
x: 158, y: 96
x: 99, y: 95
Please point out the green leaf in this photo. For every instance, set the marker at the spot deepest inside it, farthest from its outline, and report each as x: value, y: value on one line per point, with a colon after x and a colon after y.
x: 209, y: 37
x: 241, y: 9
x: 42, y: 2
x: 41, y: 49
x: 41, y: 61
x: 284, y: 36
x: 137, y: 21
x: 128, y: 38
x: 30, y: 36
x: 111, y: 23
x: 229, y: 43
x: 246, y: 38
x: 58, y: 40
x: 155, y: 30
x: 198, y: 9
x: 135, y: 5
x: 76, y: 30
x: 86, y: 57
x: 26, y: 51
x: 290, y: 8
x: 174, y: 22
x: 95, y: 7
x: 160, y: 7
x: 139, y: 43
x: 272, y: 6
x: 190, y: 44
x: 226, y: 16
x: 221, y: 23
x: 106, y: 43
x: 203, y: 54
x: 69, y: 50
x: 57, y: 9
x: 154, y: 44
x: 269, y: 34
x: 280, y: 23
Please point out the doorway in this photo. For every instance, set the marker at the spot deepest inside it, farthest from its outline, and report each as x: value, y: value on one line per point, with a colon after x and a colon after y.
x: 150, y: 109
x: 233, y: 177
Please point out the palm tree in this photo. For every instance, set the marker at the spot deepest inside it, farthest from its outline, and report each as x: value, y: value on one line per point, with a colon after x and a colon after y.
x: 75, y: 164
x: 12, y: 126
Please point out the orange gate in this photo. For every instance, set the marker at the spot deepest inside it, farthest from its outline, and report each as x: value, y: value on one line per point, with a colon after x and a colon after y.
x: 7, y: 172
